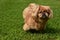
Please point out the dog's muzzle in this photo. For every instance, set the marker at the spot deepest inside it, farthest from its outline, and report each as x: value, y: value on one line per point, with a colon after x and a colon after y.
x: 44, y: 16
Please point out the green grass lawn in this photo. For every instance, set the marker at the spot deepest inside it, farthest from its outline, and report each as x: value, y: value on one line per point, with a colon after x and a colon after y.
x: 11, y: 21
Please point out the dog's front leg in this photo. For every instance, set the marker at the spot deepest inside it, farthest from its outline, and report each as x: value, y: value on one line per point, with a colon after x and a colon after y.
x: 26, y: 27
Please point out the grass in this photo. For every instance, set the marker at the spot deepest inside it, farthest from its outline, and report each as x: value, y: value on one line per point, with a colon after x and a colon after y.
x: 11, y: 21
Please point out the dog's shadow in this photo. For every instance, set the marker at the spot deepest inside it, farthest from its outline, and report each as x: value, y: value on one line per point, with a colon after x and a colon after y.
x: 47, y: 30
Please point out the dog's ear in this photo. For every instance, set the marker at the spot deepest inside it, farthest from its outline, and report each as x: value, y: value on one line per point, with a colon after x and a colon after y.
x: 28, y: 10
x: 34, y: 13
x: 50, y: 13
x: 31, y: 5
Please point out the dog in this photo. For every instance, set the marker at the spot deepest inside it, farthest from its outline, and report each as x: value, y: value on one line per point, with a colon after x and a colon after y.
x: 36, y: 16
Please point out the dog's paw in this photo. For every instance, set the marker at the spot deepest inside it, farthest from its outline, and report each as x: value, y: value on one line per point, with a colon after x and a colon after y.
x: 26, y: 27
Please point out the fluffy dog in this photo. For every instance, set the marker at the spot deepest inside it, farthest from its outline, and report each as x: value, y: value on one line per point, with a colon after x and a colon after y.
x: 35, y: 16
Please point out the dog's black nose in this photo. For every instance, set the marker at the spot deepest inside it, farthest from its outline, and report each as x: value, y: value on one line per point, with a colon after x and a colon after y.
x: 44, y: 16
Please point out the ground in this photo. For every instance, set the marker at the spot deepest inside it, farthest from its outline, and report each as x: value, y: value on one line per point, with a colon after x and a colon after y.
x: 11, y: 21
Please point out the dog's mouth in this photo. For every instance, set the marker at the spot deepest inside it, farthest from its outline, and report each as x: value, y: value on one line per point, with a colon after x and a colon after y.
x: 43, y: 15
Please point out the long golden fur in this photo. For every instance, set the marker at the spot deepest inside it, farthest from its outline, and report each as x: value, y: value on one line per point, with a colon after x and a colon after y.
x: 35, y: 16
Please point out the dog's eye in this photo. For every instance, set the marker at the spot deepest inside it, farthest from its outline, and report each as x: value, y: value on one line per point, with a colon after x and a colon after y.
x: 48, y: 12
x: 40, y: 12
x: 44, y: 11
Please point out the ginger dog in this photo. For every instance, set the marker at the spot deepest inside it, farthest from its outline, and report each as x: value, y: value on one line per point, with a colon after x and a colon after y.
x: 35, y: 16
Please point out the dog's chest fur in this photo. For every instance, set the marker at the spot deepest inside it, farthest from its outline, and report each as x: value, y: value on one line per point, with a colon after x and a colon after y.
x: 33, y: 24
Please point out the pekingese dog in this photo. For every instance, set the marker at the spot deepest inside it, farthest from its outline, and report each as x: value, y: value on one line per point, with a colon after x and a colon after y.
x: 35, y: 16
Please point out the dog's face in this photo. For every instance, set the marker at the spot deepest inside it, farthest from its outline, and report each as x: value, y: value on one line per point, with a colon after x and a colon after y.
x: 44, y: 12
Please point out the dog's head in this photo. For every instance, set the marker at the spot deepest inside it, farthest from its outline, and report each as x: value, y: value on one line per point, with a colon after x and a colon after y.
x: 44, y: 12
